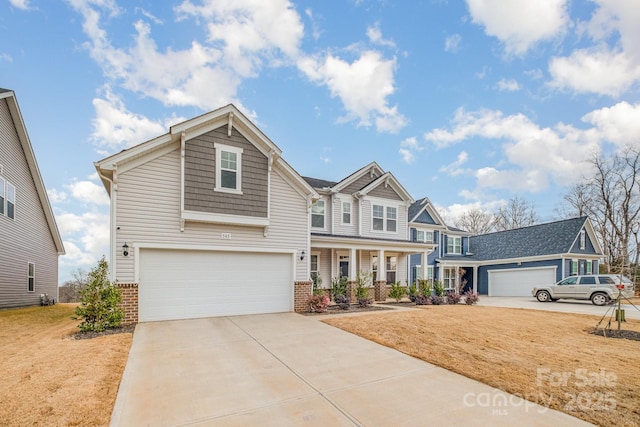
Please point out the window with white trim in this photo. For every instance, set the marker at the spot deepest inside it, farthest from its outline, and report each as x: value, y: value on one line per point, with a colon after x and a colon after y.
x: 392, y: 265
x: 574, y: 267
x: 589, y: 267
x: 583, y: 239
x: 346, y: 212
x: 317, y: 214
x: 424, y: 236
x: 228, y: 168
x: 314, y: 267
x: 430, y: 272
x: 31, y: 277
x: 449, y: 278
x: 384, y: 218
x: 374, y: 267
x: 454, y: 245
x: 11, y: 201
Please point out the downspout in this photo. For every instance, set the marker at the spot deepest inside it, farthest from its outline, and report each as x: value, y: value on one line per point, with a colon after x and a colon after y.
x: 182, y: 156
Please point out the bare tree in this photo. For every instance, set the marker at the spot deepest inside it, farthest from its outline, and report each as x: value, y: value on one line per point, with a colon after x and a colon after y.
x: 476, y: 221
x: 516, y: 214
x: 69, y: 291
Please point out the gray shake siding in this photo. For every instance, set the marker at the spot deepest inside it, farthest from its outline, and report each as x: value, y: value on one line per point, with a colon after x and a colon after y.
x: 384, y: 193
x: 359, y: 184
x: 200, y: 176
x: 26, y: 238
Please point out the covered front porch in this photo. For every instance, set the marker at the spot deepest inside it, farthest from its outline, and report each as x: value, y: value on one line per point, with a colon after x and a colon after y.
x: 457, y: 274
x: 380, y: 261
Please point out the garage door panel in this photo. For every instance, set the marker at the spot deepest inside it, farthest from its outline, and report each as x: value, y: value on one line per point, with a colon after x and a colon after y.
x: 519, y: 282
x: 182, y: 284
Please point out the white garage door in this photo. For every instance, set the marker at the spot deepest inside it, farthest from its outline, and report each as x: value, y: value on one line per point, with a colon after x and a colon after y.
x: 183, y: 284
x: 518, y: 283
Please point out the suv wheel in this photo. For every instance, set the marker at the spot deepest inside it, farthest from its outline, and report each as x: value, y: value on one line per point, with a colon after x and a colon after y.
x: 599, y: 299
x: 543, y: 296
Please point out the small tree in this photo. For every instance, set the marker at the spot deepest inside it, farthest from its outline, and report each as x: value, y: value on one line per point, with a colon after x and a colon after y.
x: 99, y: 301
x: 363, y: 281
x: 397, y: 291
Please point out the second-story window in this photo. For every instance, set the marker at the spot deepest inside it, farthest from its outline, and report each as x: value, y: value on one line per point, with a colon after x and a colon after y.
x: 346, y: 212
x: 317, y: 214
x: 384, y: 218
x: 2, y: 196
x: 228, y: 168
x: 7, y: 198
x: 454, y: 244
x: 424, y: 236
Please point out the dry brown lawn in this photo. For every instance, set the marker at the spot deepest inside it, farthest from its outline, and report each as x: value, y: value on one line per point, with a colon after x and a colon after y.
x: 549, y: 358
x: 50, y: 379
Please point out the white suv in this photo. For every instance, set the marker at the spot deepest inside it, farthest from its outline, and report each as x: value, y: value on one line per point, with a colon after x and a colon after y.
x: 599, y: 288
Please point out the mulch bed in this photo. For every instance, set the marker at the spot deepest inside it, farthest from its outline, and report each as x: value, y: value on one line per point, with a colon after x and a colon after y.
x: 614, y: 333
x: 334, y: 309
x: 82, y: 335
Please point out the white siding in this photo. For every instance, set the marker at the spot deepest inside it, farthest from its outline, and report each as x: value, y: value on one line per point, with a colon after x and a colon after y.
x: 27, y: 237
x: 339, y: 228
x: 401, y: 226
x: 148, y: 211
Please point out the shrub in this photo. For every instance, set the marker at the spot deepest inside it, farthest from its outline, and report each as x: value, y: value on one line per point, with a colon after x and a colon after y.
x: 422, y: 300
x: 317, y: 284
x: 412, y: 291
x: 362, y: 289
x: 397, y: 291
x: 318, y: 303
x: 424, y: 287
x: 99, y: 301
x: 338, y: 287
x: 437, y: 300
x: 453, y: 297
x: 438, y: 288
x: 343, y: 302
x: 471, y: 298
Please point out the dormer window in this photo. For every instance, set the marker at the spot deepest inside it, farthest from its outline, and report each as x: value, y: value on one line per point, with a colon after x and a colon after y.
x: 228, y: 169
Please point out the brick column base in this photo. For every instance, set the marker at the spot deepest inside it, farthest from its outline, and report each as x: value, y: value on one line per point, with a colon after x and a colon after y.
x: 129, y: 304
x: 381, y: 290
x: 301, y: 293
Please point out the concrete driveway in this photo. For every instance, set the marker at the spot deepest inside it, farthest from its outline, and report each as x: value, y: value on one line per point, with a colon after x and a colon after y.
x: 287, y: 369
x: 564, y: 306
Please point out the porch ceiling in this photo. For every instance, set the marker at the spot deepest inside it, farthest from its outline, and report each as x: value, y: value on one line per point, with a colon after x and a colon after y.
x: 362, y: 243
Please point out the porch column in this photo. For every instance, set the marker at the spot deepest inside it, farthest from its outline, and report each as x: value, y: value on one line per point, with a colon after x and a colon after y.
x: 380, y: 291
x: 475, y: 280
x: 351, y: 279
x: 425, y: 255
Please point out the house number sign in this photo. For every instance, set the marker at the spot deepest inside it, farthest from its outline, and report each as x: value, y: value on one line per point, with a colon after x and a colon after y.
x: 225, y: 236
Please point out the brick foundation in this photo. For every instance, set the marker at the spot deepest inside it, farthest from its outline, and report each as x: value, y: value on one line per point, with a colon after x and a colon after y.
x: 351, y: 291
x: 381, y: 291
x: 301, y: 293
x: 129, y: 304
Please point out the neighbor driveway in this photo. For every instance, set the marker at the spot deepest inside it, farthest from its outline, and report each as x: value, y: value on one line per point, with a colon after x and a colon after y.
x: 287, y: 369
x: 565, y: 306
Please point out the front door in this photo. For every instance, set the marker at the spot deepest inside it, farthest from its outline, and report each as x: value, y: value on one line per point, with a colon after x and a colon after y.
x: 344, y: 268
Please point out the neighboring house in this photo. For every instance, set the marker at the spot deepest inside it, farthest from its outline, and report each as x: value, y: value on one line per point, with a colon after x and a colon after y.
x: 30, y: 243
x: 360, y: 225
x: 208, y: 220
x: 512, y: 262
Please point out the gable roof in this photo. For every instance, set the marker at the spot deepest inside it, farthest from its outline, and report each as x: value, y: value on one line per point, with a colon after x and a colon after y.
x: 25, y: 142
x: 551, y: 238
x: 386, y: 179
x: 424, y: 205
x: 228, y: 115
x: 319, y: 183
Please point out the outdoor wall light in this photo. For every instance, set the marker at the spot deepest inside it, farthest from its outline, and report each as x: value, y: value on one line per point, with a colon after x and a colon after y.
x: 125, y: 249
x: 302, y: 254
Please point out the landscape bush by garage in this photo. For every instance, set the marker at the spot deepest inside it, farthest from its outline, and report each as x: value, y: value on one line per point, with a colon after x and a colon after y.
x: 99, y: 301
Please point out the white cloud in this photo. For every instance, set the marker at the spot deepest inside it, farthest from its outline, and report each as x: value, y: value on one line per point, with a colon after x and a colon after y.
x: 362, y: 86
x: 408, y: 148
x: 88, y: 192
x: 456, y: 210
x: 115, y: 127
x: 375, y: 36
x: 534, y: 155
x: 520, y: 24
x: 452, y: 43
x: 86, y: 237
x: 5, y: 57
x: 21, y: 4
x: 455, y: 168
x: 612, y: 64
x: 315, y: 28
x: 505, y: 85
x: 598, y: 70
x: 243, y: 36
x: 56, y: 196
x: 619, y: 124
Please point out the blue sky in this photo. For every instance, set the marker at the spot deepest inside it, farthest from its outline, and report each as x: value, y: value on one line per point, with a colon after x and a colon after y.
x: 467, y: 102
